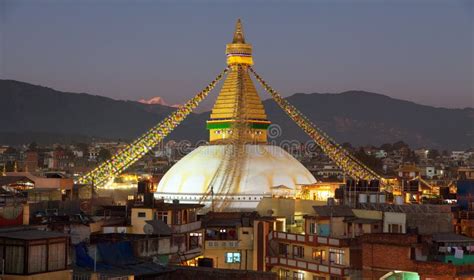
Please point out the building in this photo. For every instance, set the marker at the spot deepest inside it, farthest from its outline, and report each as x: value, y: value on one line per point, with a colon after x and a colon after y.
x: 461, y: 155
x: 466, y: 173
x: 327, y: 247
x: 411, y: 256
x: 229, y: 239
x: 34, y: 254
x: 238, y: 168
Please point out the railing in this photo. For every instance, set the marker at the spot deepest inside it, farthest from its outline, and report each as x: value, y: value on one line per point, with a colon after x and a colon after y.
x: 306, y: 265
x: 186, y: 227
x: 227, y: 244
x: 309, y: 239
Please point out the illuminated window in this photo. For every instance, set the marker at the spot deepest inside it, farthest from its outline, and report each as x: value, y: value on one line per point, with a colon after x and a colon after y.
x: 319, y: 255
x: 232, y: 257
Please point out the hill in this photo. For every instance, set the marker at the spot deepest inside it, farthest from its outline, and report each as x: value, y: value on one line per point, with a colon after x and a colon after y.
x: 354, y: 116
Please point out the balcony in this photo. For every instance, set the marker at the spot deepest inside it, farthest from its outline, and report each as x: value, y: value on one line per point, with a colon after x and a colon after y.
x: 312, y: 240
x: 306, y: 265
x: 189, y: 227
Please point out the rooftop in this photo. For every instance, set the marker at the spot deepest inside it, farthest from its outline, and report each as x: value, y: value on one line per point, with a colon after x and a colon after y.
x: 7, y: 180
x: 31, y: 234
x: 451, y: 237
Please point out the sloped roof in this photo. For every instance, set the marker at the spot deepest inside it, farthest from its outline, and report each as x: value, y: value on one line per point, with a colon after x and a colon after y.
x: 160, y: 227
x: 451, y: 237
x: 7, y: 180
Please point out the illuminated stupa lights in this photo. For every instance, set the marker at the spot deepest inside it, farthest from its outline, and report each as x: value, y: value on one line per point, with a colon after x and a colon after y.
x: 238, y: 87
x: 238, y: 110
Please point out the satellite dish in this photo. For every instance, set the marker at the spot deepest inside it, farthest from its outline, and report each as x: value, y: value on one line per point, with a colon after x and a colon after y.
x: 148, y: 229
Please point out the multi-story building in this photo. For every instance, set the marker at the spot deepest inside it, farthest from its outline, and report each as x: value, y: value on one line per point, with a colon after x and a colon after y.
x: 328, y: 247
x: 229, y: 239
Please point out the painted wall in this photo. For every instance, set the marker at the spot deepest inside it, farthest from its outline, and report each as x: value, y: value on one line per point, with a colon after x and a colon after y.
x: 139, y: 222
x: 394, y: 218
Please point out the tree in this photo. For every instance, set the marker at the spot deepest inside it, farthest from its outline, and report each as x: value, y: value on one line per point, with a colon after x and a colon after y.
x: 386, y: 147
x: 399, y: 145
x: 371, y: 161
x: 411, y: 157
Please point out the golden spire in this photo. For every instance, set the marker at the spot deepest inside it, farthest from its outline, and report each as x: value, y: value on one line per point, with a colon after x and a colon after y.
x: 239, y: 33
x: 238, y: 100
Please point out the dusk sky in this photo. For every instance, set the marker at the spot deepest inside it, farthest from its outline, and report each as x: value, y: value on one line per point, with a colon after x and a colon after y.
x: 415, y: 50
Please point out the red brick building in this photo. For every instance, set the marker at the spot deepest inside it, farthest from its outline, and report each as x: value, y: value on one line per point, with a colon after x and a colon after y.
x: 387, y: 254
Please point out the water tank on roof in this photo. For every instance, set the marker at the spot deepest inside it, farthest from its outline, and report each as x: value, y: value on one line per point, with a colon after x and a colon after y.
x: 373, y: 198
x: 382, y: 198
x: 362, y: 198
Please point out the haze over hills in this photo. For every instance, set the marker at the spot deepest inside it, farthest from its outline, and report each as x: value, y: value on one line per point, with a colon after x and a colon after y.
x: 36, y: 113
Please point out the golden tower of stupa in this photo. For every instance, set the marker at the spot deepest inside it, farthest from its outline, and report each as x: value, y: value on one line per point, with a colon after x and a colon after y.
x: 238, y: 106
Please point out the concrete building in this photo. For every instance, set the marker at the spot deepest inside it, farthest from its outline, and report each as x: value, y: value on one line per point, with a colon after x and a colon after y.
x: 31, y: 254
x: 229, y: 239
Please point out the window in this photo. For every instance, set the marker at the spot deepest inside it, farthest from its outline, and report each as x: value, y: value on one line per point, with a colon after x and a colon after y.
x: 232, y: 257
x: 315, y: 277
x: 319, y: 255
x: 56, y: 256
x: 141, y: 215
x: 37, y: 259
x: 284, y: 274
x: 394, y: 228
x: 336, y: 256
x: 283, y: 249
x: 162, y: 215
x: 312, y: 228
x: 14, y: 259
x: 298, y: 251
x: 195, y: 240
x: 298, y: 275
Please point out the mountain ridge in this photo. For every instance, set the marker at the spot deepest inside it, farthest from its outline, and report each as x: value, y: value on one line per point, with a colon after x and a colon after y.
x: 359, y: 117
